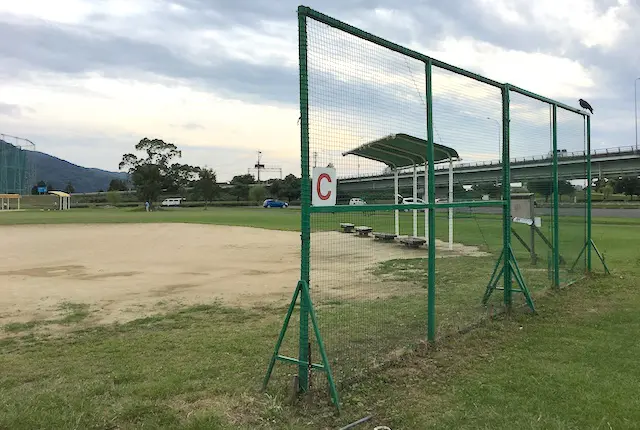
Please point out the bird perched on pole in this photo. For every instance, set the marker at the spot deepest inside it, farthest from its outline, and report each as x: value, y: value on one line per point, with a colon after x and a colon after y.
x: 585, y: 105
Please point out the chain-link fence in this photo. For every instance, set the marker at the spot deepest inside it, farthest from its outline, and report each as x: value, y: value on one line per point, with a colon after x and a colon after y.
x: 17, y: 171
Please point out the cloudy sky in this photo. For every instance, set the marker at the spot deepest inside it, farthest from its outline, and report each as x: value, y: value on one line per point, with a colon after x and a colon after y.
x: 86, y: 79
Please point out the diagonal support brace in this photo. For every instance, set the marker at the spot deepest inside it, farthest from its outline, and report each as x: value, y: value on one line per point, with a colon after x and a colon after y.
x: 517, y: 276
x: 302, y: 291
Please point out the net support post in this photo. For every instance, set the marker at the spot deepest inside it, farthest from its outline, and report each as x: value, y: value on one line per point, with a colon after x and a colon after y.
x: 426, y: 199
x: 431, y: 289
x: 556, y: 198
x: 415, y: 199
x: 589, y: 185
x: 305, y: 200
x: 506, y: 196
x: 396, y: 193
x: 450, y: 201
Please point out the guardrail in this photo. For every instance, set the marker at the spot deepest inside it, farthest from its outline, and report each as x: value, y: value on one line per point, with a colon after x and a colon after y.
x: 622, y: 150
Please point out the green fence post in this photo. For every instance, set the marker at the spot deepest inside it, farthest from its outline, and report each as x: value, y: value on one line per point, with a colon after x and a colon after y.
x: 506, y: 195
x: 556, y: 200
x: 431, y: 291
x: 305, y: 224
x: 589, y: 184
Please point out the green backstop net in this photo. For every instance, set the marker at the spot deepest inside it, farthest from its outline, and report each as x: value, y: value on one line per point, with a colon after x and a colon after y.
x: 450, y: 198
x: 16, y: 167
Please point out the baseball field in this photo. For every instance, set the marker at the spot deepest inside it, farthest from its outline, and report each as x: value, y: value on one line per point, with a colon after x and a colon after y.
x: 117, y: 318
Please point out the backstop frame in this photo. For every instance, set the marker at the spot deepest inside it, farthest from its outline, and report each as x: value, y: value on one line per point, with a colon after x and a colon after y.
x: 506, y: 267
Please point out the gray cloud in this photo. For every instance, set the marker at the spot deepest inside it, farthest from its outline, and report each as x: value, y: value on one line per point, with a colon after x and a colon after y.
x: 10, y: 109
x: 191, y: 126
x: 30, y: 46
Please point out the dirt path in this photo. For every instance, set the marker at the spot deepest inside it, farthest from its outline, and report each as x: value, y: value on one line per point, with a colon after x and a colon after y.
x: 127, y: 270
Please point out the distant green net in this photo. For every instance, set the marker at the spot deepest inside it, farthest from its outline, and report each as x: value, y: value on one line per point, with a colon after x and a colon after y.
x: 16, y: 168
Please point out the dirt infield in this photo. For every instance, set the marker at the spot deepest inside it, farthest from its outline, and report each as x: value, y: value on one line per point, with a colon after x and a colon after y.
x: 125, y: 271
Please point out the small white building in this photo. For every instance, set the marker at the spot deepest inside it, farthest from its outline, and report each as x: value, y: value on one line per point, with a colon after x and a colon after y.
x: 9, y: 202
x: 64, y: 200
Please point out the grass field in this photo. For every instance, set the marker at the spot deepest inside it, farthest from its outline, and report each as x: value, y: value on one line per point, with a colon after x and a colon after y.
x: 571, y: 366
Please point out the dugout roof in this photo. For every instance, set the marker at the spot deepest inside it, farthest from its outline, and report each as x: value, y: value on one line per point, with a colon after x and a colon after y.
x: 59, y: 194
x: 402, y: 150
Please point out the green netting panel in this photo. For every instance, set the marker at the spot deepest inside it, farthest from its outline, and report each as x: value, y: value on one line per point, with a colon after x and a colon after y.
x: 572, y: 179
x: 16, y: 171
x: 367, y: 118
x: 531, y: 153
x: 467, y: 116
x: 358, y: 93
x: 370, y: 294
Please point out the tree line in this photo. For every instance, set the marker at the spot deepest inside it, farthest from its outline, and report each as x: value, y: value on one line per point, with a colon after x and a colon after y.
x: 157, y: 172
x: 627, y: 185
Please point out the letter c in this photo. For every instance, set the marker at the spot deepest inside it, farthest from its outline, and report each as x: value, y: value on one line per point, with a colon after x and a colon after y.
x: 320, y: 178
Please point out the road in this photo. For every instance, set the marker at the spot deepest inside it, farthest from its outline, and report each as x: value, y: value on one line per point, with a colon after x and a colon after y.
x: 595, y: 212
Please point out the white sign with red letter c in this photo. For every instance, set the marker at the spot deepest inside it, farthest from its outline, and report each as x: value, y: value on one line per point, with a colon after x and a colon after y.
x: 323, y: 191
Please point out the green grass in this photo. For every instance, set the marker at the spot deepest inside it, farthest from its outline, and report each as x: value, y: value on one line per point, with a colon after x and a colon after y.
x: 70, y: 313
x: 572, y: 366
x: 276, y: 219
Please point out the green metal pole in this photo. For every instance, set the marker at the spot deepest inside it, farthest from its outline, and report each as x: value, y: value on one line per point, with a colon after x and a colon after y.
x: 506, y: 195
x: 305, y: 227
x: 556, y: 200
x: 589, y: 183
x: 431, y: 291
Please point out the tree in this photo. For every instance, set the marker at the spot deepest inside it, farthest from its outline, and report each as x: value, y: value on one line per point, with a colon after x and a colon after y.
x: 154, y: 173
x: 206, y: 187
x: 275, y: 189
x: 113, y: 197
x: 257, y: 193
x: 607, y: 190
x: 544, y: 187
x: 566, y: 188
x: 117, y: 185
x: 41, y: 183
x: 181, y: 176
x: 241, y: 186
x: 291, y: 186
x: 491, y: 189
x: 69, y: 188
x: 629, y: 185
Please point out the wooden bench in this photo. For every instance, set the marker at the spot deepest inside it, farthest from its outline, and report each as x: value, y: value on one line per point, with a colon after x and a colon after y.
x: 385, y: 237
x: 413, y: 242
x: 347, y: 227
x: 363, y: 230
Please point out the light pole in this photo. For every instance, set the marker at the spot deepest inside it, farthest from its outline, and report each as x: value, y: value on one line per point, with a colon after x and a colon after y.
x: 635, y: 99
x: 499, y: 134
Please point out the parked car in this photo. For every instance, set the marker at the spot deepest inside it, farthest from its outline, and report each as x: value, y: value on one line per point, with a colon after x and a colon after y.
x: 357, y: 201
x: 411, y: 200
x: 273, y: 203
x: 172, y: 201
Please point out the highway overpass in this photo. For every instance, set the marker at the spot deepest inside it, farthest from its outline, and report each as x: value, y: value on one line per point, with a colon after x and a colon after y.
x: 571, y: 166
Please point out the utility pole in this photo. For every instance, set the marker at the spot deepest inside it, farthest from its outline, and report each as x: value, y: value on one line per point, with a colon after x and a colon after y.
x: 499, y: 139
x: 635, y: 99
x: 258, y: 167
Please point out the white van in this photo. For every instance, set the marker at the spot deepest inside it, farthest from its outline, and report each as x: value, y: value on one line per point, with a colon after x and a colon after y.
x: 357, y: 201
x: 172, y: 201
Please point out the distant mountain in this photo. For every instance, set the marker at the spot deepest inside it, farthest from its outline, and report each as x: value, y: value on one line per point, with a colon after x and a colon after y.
x: 59, y: 173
